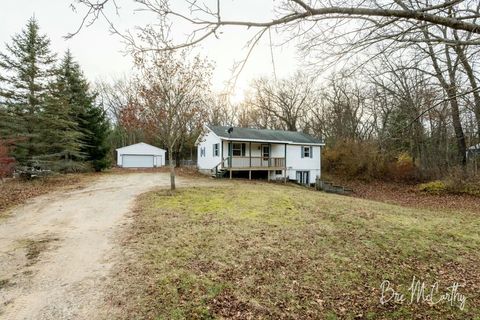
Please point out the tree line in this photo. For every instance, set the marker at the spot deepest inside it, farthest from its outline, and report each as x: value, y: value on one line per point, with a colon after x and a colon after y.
x: 389, y: 122
x: 49, y: 116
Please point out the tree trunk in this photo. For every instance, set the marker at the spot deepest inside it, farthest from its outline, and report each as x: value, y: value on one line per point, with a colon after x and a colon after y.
x: 457, y: 126
x: 177, y: 158
x: 473, y: 83
x: 451, y: 91
x: 172, y: 168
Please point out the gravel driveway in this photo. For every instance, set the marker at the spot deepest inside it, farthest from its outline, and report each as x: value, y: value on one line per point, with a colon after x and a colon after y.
x: 56, y: 251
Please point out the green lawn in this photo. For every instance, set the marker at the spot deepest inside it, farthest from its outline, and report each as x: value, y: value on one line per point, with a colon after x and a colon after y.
x: 255, y: 250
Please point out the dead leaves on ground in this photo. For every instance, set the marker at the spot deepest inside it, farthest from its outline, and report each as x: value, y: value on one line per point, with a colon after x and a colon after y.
x: 17, y: 191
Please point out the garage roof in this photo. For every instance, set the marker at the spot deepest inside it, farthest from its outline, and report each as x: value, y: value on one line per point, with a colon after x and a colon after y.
x: 141, y: 144
x: 249, y: 134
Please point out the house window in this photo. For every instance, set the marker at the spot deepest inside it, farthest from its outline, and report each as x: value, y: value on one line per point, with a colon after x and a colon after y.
x: 202, y: 152
x: 306, y: 152
x: 238, y: 149
x: 216, y: 149
x: 278, y: 172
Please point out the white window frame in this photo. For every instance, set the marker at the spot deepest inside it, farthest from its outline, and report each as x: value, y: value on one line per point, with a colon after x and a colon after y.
x: 240, y: 154
x: 216, y: 149
x: 306, y: 151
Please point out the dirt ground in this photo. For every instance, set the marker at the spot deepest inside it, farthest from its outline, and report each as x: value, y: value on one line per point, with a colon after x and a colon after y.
x: 57, y: 249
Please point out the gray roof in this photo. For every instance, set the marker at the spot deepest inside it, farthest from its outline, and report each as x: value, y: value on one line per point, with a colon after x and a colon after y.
x: 248, y: 134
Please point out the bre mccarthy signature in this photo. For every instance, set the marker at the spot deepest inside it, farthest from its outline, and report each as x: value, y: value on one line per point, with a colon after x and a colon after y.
x: 419, y: 292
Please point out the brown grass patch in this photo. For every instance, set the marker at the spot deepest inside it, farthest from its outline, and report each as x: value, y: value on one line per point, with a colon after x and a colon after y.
x: 35, y: 247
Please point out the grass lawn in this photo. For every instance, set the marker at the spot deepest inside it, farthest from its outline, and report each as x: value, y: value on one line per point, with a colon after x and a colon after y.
x: 256, y: 250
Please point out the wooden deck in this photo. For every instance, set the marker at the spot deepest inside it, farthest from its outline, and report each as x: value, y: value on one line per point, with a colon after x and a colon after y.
x: 255, y: 163
x: 254, y: 168
x: 232, y: 164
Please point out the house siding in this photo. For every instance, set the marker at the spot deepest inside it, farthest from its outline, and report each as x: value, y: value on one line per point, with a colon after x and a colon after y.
x: 208, y: 161
x: 295, y: 162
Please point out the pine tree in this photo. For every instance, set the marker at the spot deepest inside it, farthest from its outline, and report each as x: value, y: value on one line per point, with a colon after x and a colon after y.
x: 63, y: 137
x: 93, y: 125
x: 97, y: 129
x: 27, y: 68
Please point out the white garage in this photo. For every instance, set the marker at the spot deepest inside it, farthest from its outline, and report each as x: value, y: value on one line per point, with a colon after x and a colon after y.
x: 140, y: 155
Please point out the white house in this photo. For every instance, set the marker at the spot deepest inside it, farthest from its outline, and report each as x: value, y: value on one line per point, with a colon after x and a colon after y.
x: 140, y: 155
x: 281, y: 154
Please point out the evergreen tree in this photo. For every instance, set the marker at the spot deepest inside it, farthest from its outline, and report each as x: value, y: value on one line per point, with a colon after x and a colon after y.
x: 27, y: 68
x: 97, y: 129
x: 63, y: 137
x: 93, y: 126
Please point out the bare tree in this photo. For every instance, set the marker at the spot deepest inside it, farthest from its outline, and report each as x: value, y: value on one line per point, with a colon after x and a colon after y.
x: 171, y: 97
x: 449, y: 83
x: 461, y: 51
x: 221, y: 111
x: 341, y: 113
x: 206, y: 19
x: 115, y: 95
x: 288, y: 100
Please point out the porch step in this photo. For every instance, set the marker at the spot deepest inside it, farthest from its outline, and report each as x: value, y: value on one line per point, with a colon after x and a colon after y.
x: 219, y: 174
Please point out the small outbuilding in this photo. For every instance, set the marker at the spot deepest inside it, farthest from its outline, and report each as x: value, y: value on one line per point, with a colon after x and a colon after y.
x: 473, y: 150
x: 140, y: 155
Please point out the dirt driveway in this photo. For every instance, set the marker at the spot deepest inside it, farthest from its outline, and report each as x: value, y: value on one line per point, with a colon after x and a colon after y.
x: 56, y: 251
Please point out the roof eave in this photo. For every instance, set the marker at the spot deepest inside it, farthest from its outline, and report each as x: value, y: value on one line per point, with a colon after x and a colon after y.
x: 272, y: 141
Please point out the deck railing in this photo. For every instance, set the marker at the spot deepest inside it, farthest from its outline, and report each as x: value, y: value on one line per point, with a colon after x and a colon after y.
x: 256, y: 162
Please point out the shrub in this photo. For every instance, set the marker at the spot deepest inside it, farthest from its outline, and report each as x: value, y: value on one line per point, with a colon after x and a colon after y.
x: 434, y: 187
x: 365, y: 160
x: 350, y: 159
x: 472, y: 188
x: 460, y: 182
x: 403, y: 169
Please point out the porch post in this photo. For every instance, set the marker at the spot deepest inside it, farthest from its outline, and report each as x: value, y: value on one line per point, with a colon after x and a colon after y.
x: 249, y: 174
x: 250, y: 155
x: 269, y: 154
x: 230, y: 151
x: 230, y: 173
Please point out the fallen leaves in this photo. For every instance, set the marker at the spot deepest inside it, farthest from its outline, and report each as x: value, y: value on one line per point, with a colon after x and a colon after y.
x: 409, y: 195
x: 17, y: 191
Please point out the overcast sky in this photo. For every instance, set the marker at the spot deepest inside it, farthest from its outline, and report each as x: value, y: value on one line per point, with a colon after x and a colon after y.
x: 100, y: 53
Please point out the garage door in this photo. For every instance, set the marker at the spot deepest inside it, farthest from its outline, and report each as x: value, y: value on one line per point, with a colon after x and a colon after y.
x: 137, y: 161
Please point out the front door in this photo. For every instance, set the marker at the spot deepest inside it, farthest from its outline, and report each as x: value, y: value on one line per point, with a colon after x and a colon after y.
x: 265, y: 155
